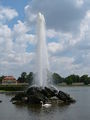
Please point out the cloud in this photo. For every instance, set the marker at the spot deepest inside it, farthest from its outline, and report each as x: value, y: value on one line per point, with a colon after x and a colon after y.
x: 21, y: 36
x: 20, y: 27
x: 63, y: 15
x: 68, y: 37
x: 63, y: 65
x: 13, y: 48
x: 7, y: 13
x: 5, y: 39
x: 31, y: 17
x: 15, y: 63
x: 53, y: 47
x: 70, y: 54
x: 67, y: 40
x: 79, y: 2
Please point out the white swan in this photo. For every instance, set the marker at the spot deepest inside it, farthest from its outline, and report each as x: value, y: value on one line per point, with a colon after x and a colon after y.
x: 45, y: 105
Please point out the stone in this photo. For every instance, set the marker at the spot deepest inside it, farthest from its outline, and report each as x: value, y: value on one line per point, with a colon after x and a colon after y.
x: 34, y: 95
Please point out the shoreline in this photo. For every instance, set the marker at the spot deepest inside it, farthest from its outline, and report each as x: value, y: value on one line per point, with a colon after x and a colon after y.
x: 12, y: 92
x: 7, y: 91
x: 72, y: 85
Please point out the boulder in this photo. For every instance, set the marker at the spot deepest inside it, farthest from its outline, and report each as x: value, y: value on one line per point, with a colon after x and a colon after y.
x: 65, y: 97
x: 34, y: 95
x: 19, y: 96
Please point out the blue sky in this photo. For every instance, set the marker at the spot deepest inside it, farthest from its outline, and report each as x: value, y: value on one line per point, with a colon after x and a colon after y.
x: 19, y: 6
x: 67, y: 30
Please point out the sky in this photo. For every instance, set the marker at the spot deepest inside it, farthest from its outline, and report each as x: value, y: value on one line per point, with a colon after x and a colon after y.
x: 67, y: 35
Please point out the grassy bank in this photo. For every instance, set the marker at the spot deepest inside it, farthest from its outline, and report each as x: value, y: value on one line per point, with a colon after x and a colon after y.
x: 13, y: 87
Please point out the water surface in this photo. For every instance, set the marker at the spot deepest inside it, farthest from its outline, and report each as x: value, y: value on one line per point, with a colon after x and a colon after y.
x: 78, y: 111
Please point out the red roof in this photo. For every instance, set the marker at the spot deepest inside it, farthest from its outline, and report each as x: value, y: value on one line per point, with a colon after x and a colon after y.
x: 9, y: 78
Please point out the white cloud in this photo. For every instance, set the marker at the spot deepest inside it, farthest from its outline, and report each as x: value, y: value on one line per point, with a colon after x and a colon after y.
x: 13, y: 48
x: 51, y: 33
x: 20, y: 27
x: 63, y: 65
x: 68, y: 40
x: 79, y: 2
x: 54, y: 47
x: 5, y: 39
x: 31, y: 17
x: 7, y: 14
x: 71, y: 53
x: 15, y: 63
x: 21, y: 37
x: 19, y: 58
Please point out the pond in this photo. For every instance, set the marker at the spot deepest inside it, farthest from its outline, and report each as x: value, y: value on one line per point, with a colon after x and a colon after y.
x: 77, y: 111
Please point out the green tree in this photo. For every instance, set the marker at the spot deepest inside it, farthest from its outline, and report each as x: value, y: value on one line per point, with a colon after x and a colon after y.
x: 69, y: 80
x: 30, y: 78
x: 85, y: 79
x: 24, y: 75
x: 26, y: 78
x: 88, y: 80
x: 57, y: 78
x: 72, y: 79
x: 23, y: 78
x: 1, y: 78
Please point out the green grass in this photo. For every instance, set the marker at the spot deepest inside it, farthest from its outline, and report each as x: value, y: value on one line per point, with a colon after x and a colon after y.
x: 13, y: 87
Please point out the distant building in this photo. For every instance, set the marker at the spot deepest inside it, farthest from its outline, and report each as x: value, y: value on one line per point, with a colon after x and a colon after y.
x: 9, y: 80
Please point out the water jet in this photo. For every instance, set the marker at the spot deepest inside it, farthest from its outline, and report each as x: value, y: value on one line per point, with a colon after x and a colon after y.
x: 42, y: 63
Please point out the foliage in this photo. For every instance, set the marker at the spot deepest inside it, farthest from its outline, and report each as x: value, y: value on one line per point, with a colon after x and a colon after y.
x: 1, y: 78
x: 72, y: 79
x: 30, y: 78
x: 85, y: 79
x: 57, y: 78
x: 26, y: 78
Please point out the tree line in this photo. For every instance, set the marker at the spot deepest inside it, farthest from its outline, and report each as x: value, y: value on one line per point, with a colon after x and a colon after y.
x: 55, y: 77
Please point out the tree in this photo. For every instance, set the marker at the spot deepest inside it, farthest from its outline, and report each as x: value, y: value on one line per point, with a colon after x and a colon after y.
x: 26, y: 78
x: 24, y: 75
x: 68, y: 80
x: 88, y: 80
x: 57, y: 78
x: 72, y: 79
x: 30, y: 78
x: 84, y: 79
x: 1, y: 78
x: 23, y: 78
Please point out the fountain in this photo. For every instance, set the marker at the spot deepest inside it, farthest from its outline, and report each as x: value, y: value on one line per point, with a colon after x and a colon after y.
x: 41, y: 92
x: 42, y: 64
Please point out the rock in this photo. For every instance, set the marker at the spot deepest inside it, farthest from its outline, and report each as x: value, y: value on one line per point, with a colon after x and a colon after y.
x: 38, y: 93
x: 65, y: 97
x: 19, y: 97
x: 33, y: 90
x: 0, y: 101
x: 33, y: 99
x: 34, y: 95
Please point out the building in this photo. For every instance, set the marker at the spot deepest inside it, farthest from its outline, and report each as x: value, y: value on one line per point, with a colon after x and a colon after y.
x: 9, y: 80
